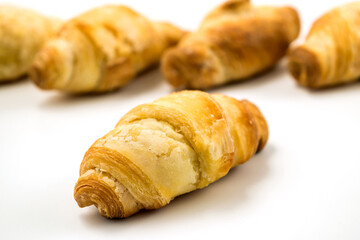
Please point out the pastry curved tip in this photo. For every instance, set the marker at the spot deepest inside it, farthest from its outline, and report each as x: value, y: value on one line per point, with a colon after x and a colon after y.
x: 171, y: 67
x: 193, y: 67
x: 170, y: 32
x: 262, y: 125
x: 111, y: 198
x: 294, y: 18
x: 35, y: 74
x: 52, y: 66
x: 89, y: 192
x: 304, y: 67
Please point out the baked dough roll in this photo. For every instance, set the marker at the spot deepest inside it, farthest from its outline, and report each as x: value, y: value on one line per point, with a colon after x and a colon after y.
x: 331, y: 53
x: 22, y: 33
x: 235, y: 41
x: 101, y: 50
x: 157, y: 151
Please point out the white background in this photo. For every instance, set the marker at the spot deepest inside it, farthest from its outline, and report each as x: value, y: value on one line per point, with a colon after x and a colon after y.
x: 304, y: 185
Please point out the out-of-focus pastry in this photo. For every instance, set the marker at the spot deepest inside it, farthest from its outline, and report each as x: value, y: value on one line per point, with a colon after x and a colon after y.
x: 235, y: 41
x: 330, y: 54
x: 22, y: 33
x: 101, y: 50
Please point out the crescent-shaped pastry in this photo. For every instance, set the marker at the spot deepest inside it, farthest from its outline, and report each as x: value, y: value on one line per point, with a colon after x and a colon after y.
x: 235, y: 41
x: 22, y: 33
x: 331, y: 53
x: 101, y: 50
x: 157, y: 151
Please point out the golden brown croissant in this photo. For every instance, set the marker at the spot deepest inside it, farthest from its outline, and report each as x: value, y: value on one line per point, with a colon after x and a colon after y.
x: 235, y: 41
x: 157, y: 151
x: 22, y: 33
x: 331, y: 52
x: 101, y: 50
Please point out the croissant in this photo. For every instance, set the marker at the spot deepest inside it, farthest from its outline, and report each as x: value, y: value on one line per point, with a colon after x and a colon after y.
x: 157, y: 151
x: 22, y: 34
x: 235, y: 41
x: 330, y: 55
x: 101, y: 50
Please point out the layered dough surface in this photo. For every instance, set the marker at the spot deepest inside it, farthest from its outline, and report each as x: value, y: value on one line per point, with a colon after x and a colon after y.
x: 157, y: 151
x: 101, y: 50
x: 22, y: 34
x: 330, y: 55
x: 235, y: 41
x: 162, y: 153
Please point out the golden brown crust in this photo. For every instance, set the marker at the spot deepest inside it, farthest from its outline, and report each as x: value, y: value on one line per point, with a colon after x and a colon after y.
x: 101, y: 50
x: 261, y: 124
x: 123, y: 170
x: 235, y: 41
x: 330, y: 54
x: 215, y: 160
x: 304, y: 66
x: 22, y: 33
x: 247, y: 125
x: 100, y: 194
x: 178, y: 143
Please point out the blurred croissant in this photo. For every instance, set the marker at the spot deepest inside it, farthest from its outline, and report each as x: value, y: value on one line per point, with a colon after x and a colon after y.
x: 235, y: 41
x: 331, y: 53
x: 157, y: 151
x: 22, y: 33
x: 101, y: 50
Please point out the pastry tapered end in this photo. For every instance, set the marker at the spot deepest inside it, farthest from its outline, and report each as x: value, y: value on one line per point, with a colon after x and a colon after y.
x: 169, y: 32
x: 304, y: 67
x: 92, y: 192
x: 52, y: 66
x: 292, y: 22
x: 109, y: 196
x: 261, y: 124
x: 171, y: 67
x: 190, y: 67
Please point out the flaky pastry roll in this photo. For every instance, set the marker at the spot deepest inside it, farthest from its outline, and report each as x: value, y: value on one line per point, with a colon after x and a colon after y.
x: 157, y: 151
x: 101, y: 50
x: 235, y: 41
x: 22, y: 33
x: 330, y: 54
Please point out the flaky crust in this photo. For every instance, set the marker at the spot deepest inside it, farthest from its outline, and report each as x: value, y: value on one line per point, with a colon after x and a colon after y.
x: 331, y: 53
x: 101, y: 50
x: 235, y: 41
x: 22, y: 33
x: 157, y: 151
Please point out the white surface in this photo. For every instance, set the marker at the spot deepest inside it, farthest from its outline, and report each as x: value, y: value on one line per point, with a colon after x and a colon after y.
x: 304, y: 185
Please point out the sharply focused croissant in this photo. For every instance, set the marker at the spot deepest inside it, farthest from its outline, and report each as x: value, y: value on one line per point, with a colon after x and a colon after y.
x: 22, y: 33
x: 331, y: 53
x: 235, y: 41
x: 178, y: 143
x: 101, y: 50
